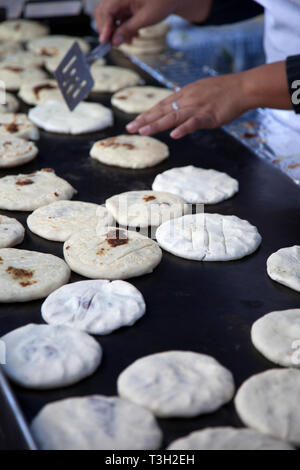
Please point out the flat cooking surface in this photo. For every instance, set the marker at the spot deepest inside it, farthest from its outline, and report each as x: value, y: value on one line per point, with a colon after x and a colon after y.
x: 204, y: 307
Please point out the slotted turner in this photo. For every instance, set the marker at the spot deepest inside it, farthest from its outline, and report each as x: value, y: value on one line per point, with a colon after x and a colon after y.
x: 73, y: 73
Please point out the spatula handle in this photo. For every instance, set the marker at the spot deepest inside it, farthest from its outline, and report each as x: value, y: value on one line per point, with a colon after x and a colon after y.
x: 99, y: 52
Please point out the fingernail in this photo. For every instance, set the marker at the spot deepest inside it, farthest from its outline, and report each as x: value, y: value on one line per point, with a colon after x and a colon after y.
x: 132, y: 126
x: 175, y: 134
x: 145, y: 130
x: 118, y: 40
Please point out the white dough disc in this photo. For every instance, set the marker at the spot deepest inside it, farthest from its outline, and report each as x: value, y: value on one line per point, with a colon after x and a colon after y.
x: 54, y: 45
x: 47, y: 356
x: 277, y: 335
x: 59, y: 220
x: 145, y: 208
x: 109, y: 79
x: 268, y: 402
x: 209, y: 237
x: 228, y: 439
x: 140, y: 49
x: 11, y: 106
x: 196, y: 185
x: 11, y: 232
x: 38, y: 91
x: 95, y: 423
x: 15, y: 152
x: 177, y: 384
x: 154, y: 31
x: 54, y: 116
x: 111, y: 254
x: 22, y: 30
x: 17, y: 125
x: 28, y: 192
x: 139, y: 99
x: 29, y: 275
x: 8, y: 47
x: 284, y: 267
x: 130, y: 151
x: 23, y: 59
x: 15, y: 76
x: 97, y: 307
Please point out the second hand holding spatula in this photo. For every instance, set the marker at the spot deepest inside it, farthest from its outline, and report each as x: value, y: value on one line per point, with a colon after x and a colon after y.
x: 73, y: 74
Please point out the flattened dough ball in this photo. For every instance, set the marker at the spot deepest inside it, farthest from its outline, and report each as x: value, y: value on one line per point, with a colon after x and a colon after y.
x: 109, y: 79
x: 29, y: 275
x: 47, y: 356
x: 15, y: 152
x: 276, y: 336
x: 27, y: 192
x: 38, y: 91
x: 227, y: 438
x: 284, y: 267
x: 16, y: 76
x: 130, y: 151
x: 145, y: 208
x: 268, y: 402
x: 17, y: 125
x: 208, y: 237
x: 22, y: 30
x: 177, y: 384
x: 95, y: 423
x: 196, y: 185
x: 11, y: 105
x: 11, y: 232
x: 59, y: 220
x: 54, y: 116
x: 135, y: 100
x: 111, y: 254
x: 97, y: 307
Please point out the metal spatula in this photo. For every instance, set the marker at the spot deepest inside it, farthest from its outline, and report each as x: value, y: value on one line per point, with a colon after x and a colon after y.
x: 73, y: 73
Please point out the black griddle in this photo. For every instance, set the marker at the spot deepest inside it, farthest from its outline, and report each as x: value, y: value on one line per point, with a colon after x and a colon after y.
x: 203, y: 307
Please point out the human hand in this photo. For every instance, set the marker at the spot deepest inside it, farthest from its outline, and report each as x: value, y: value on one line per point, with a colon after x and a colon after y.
x: 120, y: 20
x: 206, y: 104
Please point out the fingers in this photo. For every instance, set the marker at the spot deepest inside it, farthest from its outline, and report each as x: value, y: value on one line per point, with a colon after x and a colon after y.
x: 194, y: 123
x: 129, y: 28
x: 107, y: 30
x: 164, y: 122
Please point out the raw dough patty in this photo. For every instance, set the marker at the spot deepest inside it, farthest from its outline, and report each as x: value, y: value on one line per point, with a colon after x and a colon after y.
x: 228, y: 439
x: 54, y: 45
x: 139, y: 99
x: 54, y: 116
x: 29, y: 275
x: 47, y: 356
x: 17, y: 125
x: 28, y: 192
x: 196, y: 185
x: 268, y: 402
x: 177, y: 384
x: 209, y: 237
x: 111, y: 78
x: 15, y: 76
x: 22, y: 30
x: 284, y: 267
x: 39, y: 91
x: 11, y: 106
x: 97, y: 307
x: 15, y: 152
x: 145, y: 208
x: 111, y: 254
x: 11, y: 232
x: 59, y: 220
x: 276, y: 334
x: 95, y: 423
x: 23, y: 59
x: 130, y: 151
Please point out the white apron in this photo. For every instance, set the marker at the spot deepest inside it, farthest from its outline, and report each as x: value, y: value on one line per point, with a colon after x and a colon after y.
x: 282, y: 38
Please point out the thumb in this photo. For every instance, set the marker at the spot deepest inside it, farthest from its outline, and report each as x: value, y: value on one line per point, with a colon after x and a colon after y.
x: 130, y: 27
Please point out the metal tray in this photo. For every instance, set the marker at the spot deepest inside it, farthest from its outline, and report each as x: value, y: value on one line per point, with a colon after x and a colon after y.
x: 204, y: 307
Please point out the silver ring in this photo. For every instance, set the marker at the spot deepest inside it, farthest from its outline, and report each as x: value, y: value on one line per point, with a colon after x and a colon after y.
x: 175, y: 106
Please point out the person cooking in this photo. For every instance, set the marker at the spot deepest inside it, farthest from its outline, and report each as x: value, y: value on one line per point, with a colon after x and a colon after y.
x: 212, y: 102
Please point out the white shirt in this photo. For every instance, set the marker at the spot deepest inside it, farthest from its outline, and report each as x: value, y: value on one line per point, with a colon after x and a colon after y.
x: 282, y: 39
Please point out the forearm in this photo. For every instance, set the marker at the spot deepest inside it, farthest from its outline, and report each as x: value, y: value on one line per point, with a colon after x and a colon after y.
x: 266, y: 87
x: 196, y: 11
